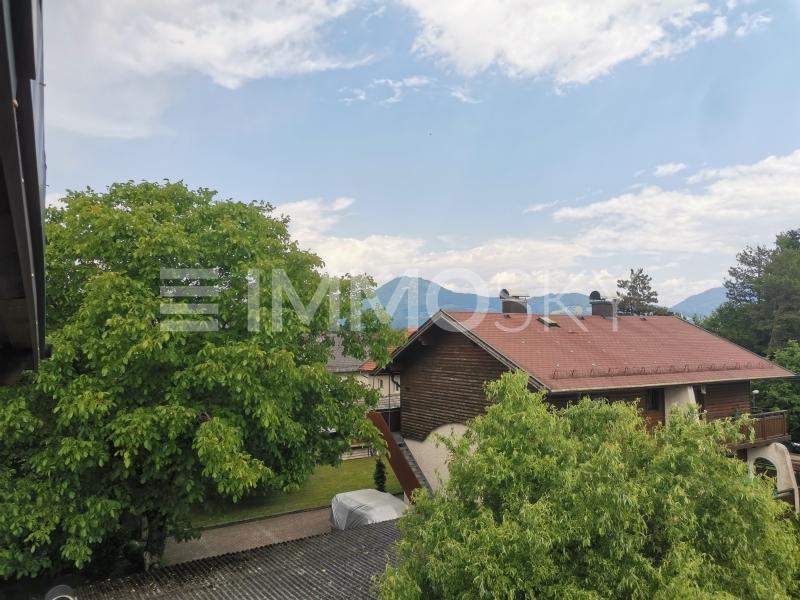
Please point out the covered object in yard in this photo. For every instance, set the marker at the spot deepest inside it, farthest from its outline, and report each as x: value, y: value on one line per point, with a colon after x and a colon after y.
x: 364, y: 507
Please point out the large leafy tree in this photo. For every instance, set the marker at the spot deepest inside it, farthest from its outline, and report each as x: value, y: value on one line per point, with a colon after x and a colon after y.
x: 583, y: 503
x: 636, y: 294
x: 784, y: 394
x: 762, y: 313
x: 131, y: 424
x: 763, y: 308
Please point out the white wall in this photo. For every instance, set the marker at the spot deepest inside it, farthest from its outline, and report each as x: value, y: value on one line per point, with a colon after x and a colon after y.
x: 680, y: 395
x: 779, y: 456
x: 432, y: 456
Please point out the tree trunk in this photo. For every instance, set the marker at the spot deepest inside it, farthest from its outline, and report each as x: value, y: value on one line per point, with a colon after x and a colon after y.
x: 155, y: 538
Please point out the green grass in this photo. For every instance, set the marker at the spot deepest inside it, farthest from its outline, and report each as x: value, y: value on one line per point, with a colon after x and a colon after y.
x: 316, y: 492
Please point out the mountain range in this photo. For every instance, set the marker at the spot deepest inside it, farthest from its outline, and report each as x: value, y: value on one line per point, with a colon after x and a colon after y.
x: 412, y: 300
x: 702, y: 304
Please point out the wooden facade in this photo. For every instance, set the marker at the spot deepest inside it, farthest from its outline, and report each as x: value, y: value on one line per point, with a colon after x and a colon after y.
x: 444, y: 383
x: 724, y: 399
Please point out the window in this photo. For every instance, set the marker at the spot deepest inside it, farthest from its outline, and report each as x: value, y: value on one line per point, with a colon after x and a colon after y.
x: 654, y: 400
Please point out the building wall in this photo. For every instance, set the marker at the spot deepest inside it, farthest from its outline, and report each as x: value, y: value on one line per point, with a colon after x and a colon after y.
x: 678, y: 396
x: 432, y: 455
x: 445, y: 383
x: 725, y: 399
x: 388, y: 390
x: 720, y: 399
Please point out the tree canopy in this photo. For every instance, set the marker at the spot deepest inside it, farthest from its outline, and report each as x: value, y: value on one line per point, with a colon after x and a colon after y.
x: 783, y: 394
x: 762, y: 313
x: 763, y: 308
x: 636, y: 294
x: 130, y: 424
x: 583, y: 503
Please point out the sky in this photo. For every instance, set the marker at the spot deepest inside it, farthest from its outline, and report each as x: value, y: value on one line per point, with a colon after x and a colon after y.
x: 538, y: 145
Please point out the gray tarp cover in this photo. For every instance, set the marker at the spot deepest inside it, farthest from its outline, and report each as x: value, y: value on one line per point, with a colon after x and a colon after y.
x: 363, y: 507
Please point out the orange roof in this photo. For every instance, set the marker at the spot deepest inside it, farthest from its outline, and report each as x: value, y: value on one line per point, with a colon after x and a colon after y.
x: 592, y: 353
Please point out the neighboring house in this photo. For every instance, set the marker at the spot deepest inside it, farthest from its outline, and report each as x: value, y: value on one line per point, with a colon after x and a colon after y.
x: 386, y: 384
x: 659, y: 362
x: 22, y: 189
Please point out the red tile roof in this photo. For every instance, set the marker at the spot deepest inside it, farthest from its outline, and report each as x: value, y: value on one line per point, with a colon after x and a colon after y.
x: 592, y: 354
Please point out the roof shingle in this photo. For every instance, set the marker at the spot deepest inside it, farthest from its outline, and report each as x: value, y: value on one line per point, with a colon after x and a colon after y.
x: 340, y: 565
x: 594, y: 353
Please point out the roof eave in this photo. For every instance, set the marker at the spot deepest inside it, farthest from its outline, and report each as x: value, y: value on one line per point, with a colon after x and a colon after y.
x: 614, y: 387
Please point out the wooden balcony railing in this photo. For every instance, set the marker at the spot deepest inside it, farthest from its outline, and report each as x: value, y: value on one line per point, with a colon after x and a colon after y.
x: 768, y: 427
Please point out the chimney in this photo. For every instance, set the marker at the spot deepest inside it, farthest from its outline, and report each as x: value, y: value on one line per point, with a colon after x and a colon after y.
x: 513, y: 304
x: 603, y: 307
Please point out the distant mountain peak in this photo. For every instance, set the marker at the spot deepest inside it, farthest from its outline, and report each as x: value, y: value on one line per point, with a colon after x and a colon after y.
x: 702, y: 304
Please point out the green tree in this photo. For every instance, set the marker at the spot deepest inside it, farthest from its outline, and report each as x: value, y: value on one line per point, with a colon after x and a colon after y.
x: 763, y: 308
x: 130, y: 425
x: 784, y: 395
x: 636, y: 294
x: 379, y: 477
x: 583, y: 503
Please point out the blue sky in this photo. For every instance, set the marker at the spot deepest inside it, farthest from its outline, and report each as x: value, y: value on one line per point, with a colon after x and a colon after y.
x: 540, y: 146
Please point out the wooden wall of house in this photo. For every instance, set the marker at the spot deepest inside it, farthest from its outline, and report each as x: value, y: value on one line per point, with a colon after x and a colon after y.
x: 725, y: 399
x: 561, y: 400
x: 444, y: 383
x: 650, y: 400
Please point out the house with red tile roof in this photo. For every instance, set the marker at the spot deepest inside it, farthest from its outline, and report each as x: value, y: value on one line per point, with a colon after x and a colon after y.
x: 658, y: 362
x: 386, y: 384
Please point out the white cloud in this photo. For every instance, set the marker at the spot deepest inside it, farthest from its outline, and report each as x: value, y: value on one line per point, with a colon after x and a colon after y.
x: 112, y: 67
x: 750, y: 23
x: 397, y: 89
x: 313, y: 224
x: 311, y: 218
x: 664, y: 230
x: 734, y: 206
x: 539, y: 207
x: 353, y: 95
x: 377, y: 89
x: 463, y: 95
x: 572, y: 41
x: 675, y: 289
x: 54, y: 200
x: 668, y: 169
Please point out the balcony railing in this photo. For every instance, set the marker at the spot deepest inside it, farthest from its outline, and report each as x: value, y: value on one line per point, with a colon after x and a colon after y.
x: 768, y: 427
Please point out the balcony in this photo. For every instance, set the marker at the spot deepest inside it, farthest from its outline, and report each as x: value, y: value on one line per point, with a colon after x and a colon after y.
x: 768, y: 427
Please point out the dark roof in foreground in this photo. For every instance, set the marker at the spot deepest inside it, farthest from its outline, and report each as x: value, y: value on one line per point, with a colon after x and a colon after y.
x: 340, y: 564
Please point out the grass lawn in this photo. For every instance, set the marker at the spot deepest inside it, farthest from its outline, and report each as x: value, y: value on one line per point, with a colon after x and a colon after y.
x: 317, y: 492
